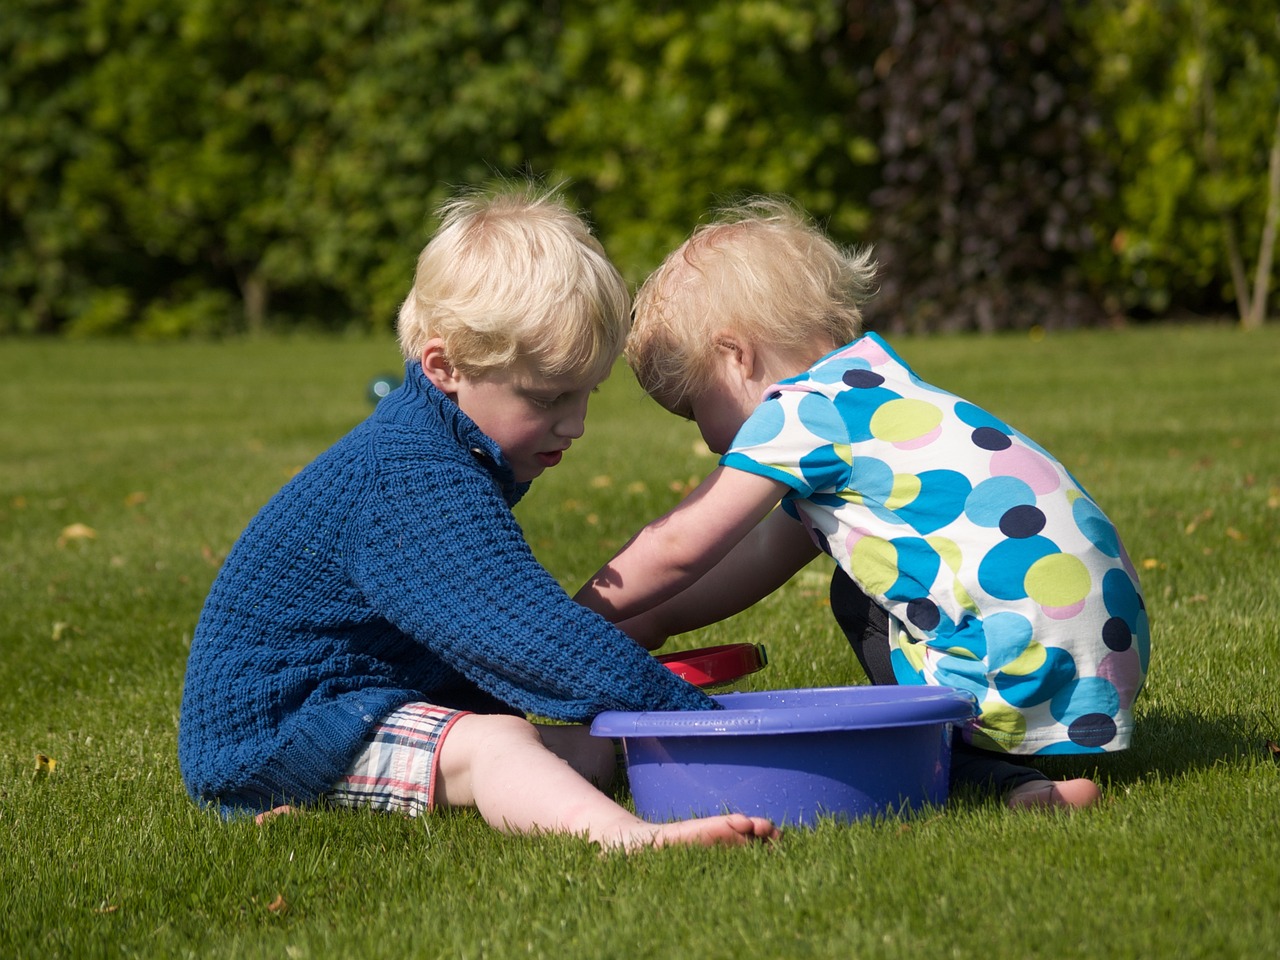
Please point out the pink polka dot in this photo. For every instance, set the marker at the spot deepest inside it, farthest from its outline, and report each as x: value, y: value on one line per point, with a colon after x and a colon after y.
x: 1028, y: 466
x: 1124, y: 669
x: 919, y: 442
x: 1063, y: 613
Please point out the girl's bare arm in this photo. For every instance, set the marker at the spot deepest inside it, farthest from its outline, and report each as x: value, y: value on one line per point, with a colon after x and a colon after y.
x: 680, y: 548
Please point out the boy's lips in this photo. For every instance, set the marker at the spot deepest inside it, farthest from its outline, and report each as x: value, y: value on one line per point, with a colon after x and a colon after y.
x: 551, y: 458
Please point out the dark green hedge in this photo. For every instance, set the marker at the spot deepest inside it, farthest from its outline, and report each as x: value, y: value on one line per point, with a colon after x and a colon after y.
x: 176, y: 167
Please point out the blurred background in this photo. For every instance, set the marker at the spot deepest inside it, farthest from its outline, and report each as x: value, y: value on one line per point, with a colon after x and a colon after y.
x: 177, y: 168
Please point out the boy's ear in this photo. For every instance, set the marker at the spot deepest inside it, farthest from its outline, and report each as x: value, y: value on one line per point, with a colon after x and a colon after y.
x: 438, y: 369
x: 737, y: 352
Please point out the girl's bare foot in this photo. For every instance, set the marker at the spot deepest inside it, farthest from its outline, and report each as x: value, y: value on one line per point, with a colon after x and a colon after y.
x: 1053, y: 794
x: 262, y: 818
x: 734, y: 829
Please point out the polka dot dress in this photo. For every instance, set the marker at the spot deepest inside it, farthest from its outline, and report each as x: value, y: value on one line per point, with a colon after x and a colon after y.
x: 1005, y: 579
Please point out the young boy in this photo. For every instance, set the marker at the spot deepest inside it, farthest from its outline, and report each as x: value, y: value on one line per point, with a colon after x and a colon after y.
x: 965, y: 554
x: 381, y: 628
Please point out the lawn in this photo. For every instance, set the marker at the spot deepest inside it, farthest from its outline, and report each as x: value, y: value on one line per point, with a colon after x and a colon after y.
x: 128, y: 471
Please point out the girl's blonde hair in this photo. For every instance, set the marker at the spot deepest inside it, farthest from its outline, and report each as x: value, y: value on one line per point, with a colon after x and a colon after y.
x: 514, y: 272
x: 760, y: 270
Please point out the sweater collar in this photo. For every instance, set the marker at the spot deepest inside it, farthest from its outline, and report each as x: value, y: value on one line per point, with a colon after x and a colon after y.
x: 420, y: 403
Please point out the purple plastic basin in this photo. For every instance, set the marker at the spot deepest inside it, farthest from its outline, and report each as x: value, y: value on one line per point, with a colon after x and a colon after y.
x: 793, y: 755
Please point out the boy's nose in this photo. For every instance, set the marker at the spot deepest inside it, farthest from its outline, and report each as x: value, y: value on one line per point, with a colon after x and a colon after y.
x: 574, y: 422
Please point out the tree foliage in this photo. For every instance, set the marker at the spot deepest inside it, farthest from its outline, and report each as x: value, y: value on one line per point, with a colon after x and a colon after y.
x: 170, y: 167
x: 1192, y: 91
x: 987, y: 182
x: 675, y: 108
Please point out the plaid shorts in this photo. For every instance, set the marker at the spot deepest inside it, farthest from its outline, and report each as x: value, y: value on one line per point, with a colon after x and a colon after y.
x: 396, y: 770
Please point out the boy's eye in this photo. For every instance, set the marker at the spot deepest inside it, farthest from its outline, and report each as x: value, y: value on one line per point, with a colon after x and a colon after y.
x: 546, y: 402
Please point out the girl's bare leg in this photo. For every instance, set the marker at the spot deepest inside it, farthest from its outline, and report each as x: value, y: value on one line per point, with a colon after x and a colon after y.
x: 1051, y: 794
x: 500, y: 765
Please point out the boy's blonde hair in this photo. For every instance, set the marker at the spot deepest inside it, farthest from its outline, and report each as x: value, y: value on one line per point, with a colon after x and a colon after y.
x: 760, y: 270
x: 514, y: 272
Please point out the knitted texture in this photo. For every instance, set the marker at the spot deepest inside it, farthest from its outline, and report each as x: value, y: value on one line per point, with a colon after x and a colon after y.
x: 390, y: 570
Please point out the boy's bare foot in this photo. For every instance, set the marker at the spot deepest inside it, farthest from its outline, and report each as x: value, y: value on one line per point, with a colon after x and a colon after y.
x: 734, y: 829
x: 1053, y: 794
x: 262, y: 818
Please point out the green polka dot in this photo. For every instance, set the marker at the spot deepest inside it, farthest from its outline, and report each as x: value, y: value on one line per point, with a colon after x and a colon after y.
x: 906, y: 487
x: 874, y: 563
x: 791, y: 470
x: 898, y: 421
x: 1003, y: 727
x: 914, y: 652
x: 948, y: 550
x: 1058, y: 580
x: 962, y: 597
x: 1027, y: 662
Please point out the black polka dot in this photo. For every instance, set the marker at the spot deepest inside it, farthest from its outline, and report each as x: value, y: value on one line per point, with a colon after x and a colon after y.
x: 923, y: 613
x: 989, y: 438
x: 1116, y: 634
x: 862, y: 379
x: 1092, y: 730
x: 1021, y: 522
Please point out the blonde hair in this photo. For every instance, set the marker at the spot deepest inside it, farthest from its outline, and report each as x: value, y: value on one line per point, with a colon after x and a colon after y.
x: 761, y: 270
x: 513, y: 272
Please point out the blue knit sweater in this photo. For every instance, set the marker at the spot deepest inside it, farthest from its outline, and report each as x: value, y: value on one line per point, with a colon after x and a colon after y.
x: 390, y: 570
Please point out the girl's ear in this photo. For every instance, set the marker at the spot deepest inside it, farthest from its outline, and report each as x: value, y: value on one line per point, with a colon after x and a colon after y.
x: 438, y: 369
x: 736, y: 352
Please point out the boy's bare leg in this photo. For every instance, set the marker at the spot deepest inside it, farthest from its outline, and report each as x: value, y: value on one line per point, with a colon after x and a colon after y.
x: 500, y: 765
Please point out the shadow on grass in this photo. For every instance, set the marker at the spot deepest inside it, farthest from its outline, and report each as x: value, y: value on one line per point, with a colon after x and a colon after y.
x: 1170, y: 743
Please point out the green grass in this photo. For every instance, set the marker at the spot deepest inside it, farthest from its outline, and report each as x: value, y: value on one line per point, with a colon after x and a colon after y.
x: 166, y: 451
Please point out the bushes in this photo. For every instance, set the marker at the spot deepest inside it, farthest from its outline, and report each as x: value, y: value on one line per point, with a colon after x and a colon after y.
x: 181, y: 166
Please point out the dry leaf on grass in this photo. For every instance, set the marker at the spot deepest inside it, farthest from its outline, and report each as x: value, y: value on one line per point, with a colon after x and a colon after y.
x: 76, y: 531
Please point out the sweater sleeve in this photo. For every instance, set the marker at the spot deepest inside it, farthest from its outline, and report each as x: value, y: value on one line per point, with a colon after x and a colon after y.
x: 439, y: 554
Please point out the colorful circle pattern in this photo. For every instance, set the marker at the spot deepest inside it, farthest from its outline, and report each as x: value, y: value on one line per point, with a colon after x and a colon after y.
x: 1005, y: 578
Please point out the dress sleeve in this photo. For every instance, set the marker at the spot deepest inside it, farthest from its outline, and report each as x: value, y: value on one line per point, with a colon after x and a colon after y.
x: 439, y: 554
x: 797, y: 437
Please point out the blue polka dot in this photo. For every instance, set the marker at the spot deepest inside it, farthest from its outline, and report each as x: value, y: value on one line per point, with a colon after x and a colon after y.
x: 1063, y: 747
x: 1142, y: 635
x: 1092, y: 730
x: 872, y: 478
x: 835, y: 370
x: 862, y: 379
x: 819, y: 416
x: 1025, y: 690
x: 1087, y: 695
x: 970, y: 638
x: 903, y: 671
x: 989, y: 438
x: 991, y: 499
x: 1022, y: 521
x: 764, y: 424
x: 823, y: 469
x: 1008, y: 635
x: 966, y: 674
x: 1095, y: 526
x: 1003, y: 570
x: 1117, y: 634
x: 1120, y: 596
x: 977, y: 417
x: 923, y: 614
x: 857, y: 407
x: 942, y: 498
x: 918, y: 565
